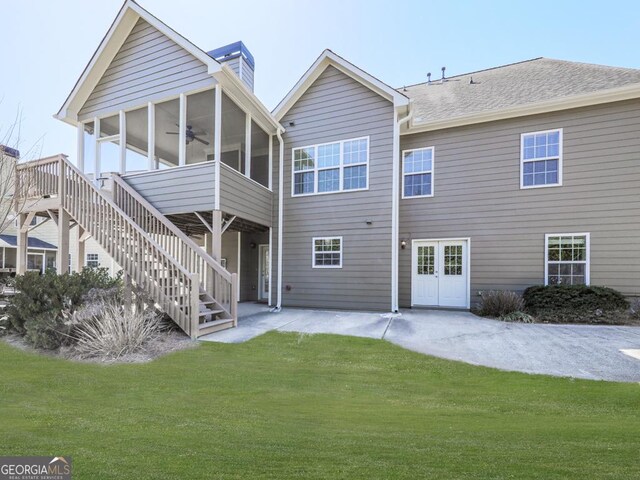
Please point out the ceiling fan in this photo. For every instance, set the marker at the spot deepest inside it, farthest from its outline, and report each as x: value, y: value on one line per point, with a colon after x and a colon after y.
x: 190, y: 135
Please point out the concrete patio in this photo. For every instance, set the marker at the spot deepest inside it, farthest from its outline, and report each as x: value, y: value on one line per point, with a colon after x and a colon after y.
x: 580, y: 351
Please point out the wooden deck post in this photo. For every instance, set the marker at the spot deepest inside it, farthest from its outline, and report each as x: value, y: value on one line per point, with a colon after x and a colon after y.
x: 208, y: 247
x: 62, y: 259
x: 127, y: 293
x: 22, y: 242
x: 78, y: 262
x: 194, y: 309
x: 234, y: 299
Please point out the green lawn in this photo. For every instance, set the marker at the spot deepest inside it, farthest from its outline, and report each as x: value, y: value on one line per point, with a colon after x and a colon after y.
x: 286, y: 406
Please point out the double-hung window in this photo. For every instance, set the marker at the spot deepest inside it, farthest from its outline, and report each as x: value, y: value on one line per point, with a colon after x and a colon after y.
x: 92, y: 260
x: 417, y: 172
x: 567, y: 259
x: 327, y: 252
x: 331, y: 167
x: 541, y: 159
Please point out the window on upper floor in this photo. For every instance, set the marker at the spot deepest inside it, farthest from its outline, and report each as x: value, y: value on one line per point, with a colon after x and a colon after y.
x: 567, y: 259
x: 327, y: 252
x: 331, y: 167
x: 417, y: 172
x: 541, y: 159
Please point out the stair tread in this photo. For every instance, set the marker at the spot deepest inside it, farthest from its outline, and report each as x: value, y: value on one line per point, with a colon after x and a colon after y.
x: 210, y: 312
x: 213, y: 323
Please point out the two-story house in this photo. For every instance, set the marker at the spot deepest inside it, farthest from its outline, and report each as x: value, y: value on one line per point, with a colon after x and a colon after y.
x: 350, y: 194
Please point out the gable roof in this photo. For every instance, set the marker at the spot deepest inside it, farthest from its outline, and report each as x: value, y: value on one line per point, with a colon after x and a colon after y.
x: 32, y: 242
x: 129, y: 14
x: 528, y: 87
x: 322, y: 62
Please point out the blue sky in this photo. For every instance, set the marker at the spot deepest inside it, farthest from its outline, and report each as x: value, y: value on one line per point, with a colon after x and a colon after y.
x: 46, y: 44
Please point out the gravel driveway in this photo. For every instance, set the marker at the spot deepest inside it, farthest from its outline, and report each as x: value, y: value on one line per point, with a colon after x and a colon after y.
x: 580, y: 351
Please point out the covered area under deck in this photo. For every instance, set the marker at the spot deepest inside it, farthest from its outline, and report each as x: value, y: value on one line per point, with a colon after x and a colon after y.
x: 245, y: 249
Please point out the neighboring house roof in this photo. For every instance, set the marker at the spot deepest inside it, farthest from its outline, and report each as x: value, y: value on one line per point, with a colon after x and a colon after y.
x: 11, y: 152
x: 32, y: 242
x: 330, y: 58
x: 518, y: 87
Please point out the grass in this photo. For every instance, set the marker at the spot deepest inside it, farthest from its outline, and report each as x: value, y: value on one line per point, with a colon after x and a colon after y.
x: 290, y: 406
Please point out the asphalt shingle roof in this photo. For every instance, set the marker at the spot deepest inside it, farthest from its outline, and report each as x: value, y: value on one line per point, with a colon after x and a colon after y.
x: 32, y: 242
x: 514, y: 85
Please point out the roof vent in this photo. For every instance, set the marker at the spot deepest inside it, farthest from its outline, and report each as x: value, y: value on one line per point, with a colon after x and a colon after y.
x: 429, y: 78
x: 443, y: 69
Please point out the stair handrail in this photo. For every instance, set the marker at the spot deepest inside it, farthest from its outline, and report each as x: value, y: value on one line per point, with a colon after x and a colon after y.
x: 197, y: 249
x: 67, y: 187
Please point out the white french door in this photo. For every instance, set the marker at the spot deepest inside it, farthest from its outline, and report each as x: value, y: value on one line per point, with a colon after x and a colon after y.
x: 440, y: 273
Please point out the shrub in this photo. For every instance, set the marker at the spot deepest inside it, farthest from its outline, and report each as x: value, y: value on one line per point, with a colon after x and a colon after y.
x: 575, y: 304
x: 498, y: 303
x: 113, y: 330
x: 634, y: 310
x: 517, y: 317
x: 42, y: 302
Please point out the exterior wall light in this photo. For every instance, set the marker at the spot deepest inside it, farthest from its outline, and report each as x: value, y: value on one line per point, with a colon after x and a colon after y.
x: 403, y: 244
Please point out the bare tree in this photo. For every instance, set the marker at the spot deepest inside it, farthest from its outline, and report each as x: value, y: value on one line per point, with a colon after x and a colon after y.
x: 10, y: 205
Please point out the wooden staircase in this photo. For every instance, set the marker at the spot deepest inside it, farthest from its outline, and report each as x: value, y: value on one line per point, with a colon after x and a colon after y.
x: 187, y: 283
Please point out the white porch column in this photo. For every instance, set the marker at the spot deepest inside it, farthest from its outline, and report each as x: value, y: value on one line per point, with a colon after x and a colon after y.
x: 247, y: 146
x: 80, y: 147
x: 270, y: 184
x: 217, y: 143
x: 182, y: 147
x: 96, y: 138
x: 123, y: 142
x: 151, y: 136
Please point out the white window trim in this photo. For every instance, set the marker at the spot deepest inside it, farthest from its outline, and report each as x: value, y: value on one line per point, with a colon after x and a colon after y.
x: 313, y: 252
x: 432, y: 172
x: 587, y: 268
x: 341, y: 167
x: 560, y: 162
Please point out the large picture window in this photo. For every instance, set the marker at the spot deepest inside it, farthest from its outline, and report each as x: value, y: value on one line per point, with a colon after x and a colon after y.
x: 567, y: 259
x: 331, y: 167
x: 327, y: 252
x: 541, y: 159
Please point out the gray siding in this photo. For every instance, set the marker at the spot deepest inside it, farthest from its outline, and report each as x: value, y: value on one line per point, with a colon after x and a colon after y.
x: 177, y: 190
x: 337, y: 107
x: 478, y: 195
x: 149, y: 66
x: 243, y: 197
